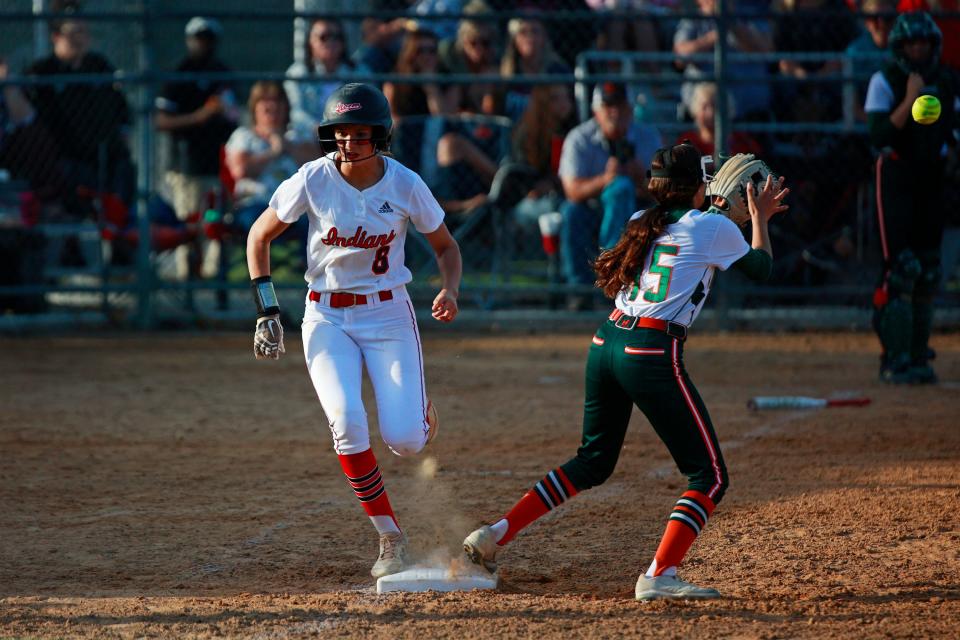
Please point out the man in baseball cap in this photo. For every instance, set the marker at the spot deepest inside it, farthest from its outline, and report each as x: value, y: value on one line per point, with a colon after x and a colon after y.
x: 609, y: 93
x: 200, y: 26
x: 199, y: 116
x: 602, y: 169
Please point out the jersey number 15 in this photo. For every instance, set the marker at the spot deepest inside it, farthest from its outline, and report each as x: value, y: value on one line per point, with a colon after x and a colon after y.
x: 664, y: 272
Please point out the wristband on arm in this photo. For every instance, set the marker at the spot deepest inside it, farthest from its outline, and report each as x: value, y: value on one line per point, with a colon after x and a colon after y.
x: 264, y: 296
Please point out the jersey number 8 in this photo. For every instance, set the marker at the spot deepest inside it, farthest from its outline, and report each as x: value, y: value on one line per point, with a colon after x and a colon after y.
x: 381, y: 262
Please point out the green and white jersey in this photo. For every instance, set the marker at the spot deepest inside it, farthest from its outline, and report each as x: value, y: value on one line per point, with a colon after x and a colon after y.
x: 679, y: 268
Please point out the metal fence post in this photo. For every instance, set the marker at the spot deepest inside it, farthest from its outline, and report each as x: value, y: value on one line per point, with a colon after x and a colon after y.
x: 721, y: 127
x: 146, y: 93
x: 41, y: 39
x: 722, y: 120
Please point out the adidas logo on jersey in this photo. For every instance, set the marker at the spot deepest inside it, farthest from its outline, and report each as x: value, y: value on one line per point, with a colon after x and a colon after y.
x: 385, y: 208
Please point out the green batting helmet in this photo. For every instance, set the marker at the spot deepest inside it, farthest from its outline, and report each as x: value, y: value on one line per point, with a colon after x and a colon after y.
x: 356, y: 103
x: 916, y: 25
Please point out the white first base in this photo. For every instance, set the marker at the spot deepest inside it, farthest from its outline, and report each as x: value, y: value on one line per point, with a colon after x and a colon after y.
x: 434, y: 580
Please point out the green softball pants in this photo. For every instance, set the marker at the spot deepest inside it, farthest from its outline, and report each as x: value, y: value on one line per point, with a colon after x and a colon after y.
x: 644, y: 367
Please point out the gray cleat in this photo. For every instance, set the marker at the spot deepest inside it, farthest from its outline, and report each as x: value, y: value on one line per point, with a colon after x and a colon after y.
x: 672, y: 587
x: 393, y: 555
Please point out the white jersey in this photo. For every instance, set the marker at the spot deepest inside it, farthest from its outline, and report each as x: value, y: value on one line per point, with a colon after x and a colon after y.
x: 680, y: 265
x: 356, y: 238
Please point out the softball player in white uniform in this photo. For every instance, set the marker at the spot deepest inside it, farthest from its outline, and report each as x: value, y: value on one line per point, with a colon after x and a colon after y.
x: 359, y: 203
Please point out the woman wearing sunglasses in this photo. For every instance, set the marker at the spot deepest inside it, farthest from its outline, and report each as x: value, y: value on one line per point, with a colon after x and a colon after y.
x: 659, y: 275
x: 325, y: 54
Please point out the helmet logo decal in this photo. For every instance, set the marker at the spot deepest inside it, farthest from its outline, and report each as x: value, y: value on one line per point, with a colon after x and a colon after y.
x: 343, y: 107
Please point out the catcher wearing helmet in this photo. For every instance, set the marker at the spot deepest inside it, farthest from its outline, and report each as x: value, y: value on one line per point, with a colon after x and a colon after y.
x: 659, y: 274
x: 909, y: 183
x: 359, y: 203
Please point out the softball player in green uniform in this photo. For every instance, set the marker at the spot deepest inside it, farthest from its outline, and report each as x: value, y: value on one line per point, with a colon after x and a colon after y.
x: 659, y: 274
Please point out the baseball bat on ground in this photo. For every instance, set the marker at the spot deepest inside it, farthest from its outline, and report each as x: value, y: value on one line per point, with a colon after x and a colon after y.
x: 802, y: 402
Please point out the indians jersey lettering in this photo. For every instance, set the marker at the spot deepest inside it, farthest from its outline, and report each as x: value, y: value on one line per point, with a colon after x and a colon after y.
x: 680, y: 265
x: 356, y: 238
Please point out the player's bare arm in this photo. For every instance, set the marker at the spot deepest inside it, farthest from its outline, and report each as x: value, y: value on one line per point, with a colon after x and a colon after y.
x: 764, y: 206
x: 265, y: 230
x: 451, y: 267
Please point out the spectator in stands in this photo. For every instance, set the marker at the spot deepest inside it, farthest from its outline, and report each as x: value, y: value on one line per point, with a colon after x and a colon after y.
x: 382, y: 38
x: 703, y: 103
x: 419, y: 55
x: 464, y: 172
x: 604, y: 180
x: 444, y: 29
x: 870, y: 51
x: 87, y: 120
x: 826, y: 169
x: 568, y: 32
x: 27, y: 150
x: 199, y: 116
x: 325, y: 54
x: 528, y: 52
x: 699, y: 35
x: 620, y: 34
x: 821, y: 26
x: 537, y: 143
x: 474, y: 51
x: 267, y: 152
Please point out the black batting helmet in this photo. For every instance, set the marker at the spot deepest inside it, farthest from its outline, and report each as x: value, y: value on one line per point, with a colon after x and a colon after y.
x: 356, y: 103
x: 916, y: 25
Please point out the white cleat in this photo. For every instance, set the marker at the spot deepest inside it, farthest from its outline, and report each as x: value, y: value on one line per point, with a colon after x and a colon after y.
x: 393, y: 555
x: 481, y: 547
x: 672, y: 587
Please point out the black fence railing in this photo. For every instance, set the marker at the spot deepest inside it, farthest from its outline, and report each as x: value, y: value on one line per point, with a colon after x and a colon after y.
x: 124, y: 191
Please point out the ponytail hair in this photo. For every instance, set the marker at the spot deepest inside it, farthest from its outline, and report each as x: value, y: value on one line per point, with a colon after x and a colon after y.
x: 675, y: 178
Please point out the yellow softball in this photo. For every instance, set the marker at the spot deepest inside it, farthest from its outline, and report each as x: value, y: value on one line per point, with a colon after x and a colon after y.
x: 926, y: 109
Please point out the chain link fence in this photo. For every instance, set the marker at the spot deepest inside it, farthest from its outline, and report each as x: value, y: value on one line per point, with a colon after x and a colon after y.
x: 139, y: 142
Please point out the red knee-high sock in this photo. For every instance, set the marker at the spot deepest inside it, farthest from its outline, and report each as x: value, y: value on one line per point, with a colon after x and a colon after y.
x: 546, y: 495
x: 364, y: 477
x: 689, y: 516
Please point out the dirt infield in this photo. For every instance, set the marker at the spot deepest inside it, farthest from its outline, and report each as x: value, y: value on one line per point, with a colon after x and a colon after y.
x: 171, y: 485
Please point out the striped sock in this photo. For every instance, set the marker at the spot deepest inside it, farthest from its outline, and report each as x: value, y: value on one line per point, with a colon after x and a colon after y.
x: 364, y: 476
x: 689, y: 517
x: 546, y: 495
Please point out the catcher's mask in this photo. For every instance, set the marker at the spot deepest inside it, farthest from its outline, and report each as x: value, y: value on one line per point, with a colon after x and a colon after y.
x: 356, y: 103
x: 677, y: 164
x: 916, y: 25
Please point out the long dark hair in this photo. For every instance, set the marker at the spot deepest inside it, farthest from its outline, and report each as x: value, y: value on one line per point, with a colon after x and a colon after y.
x: 538, y: 126
x: 617, y: 268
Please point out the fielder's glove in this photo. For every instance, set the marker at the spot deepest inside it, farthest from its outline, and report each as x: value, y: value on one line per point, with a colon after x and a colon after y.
x: 728, y: 189
x: 268, y: 338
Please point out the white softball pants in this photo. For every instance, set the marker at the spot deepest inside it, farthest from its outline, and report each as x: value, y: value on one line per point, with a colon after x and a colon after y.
x: 384, y: 335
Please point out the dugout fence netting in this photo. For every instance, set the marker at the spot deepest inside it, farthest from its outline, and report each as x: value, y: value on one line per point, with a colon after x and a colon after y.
x: 126, y: 189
